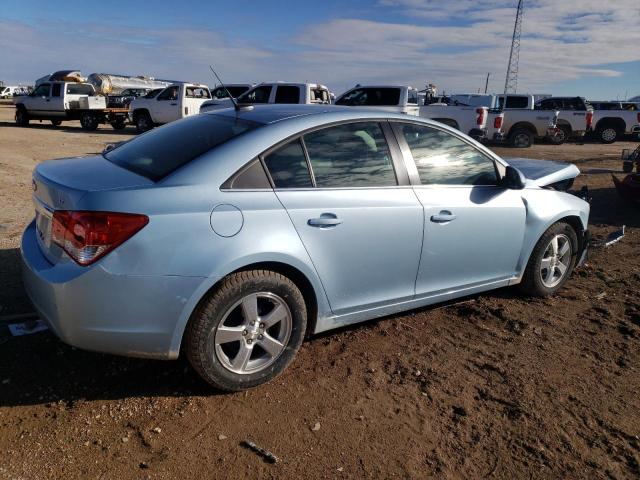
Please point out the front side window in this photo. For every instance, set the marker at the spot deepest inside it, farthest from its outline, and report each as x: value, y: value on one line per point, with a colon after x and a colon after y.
x: 319, y: 95
x: 361, y: 97
x: 159, y: 152
x: 55, y: 91
x: 42, y: 91
x: 170, y: 93
x: 287, y: 94
x: 412, y: 97
x: 257, y: 95
x: 443, y: 159
x: 350, y: 155
x: 288, y: 167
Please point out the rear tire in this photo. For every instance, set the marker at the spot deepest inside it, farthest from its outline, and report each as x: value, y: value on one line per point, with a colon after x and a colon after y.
x: 228, y: 351
x: 22, y: 117
x: 56, y: 123
x: 118, y: 124
x: 539, y: 281
x: 607, y: 134
x: 89, y: 121
x: 521, y: 138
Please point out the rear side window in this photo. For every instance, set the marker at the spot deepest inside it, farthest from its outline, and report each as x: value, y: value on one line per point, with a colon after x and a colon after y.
x: 257, y: 95
x: 443, y: 159
x: 79, y: 89
x: 371, y: 97
x: 252, y: 177
x: 197, y: 92
x: 288, y: 94
x: 517, y: 102
x: 163, y: 150
x: 288, y: 167
x: 350, y: 155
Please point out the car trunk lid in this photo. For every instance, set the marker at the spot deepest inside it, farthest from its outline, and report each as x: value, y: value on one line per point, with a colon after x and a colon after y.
x: 62, y: 184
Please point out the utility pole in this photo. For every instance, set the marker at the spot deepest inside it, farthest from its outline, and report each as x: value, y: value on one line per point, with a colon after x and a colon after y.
x: 486, y: 84
x: 511, y: 81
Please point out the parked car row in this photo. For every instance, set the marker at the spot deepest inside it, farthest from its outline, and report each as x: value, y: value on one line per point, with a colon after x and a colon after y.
x: 516, y: 119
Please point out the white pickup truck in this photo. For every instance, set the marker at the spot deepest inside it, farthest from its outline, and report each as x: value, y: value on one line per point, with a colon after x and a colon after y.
x: 176, y: 101
x: 523, y: 121
x: 476, y: 122
x: 62, y: 101
x: 276, y: 92
x: 612, y: 120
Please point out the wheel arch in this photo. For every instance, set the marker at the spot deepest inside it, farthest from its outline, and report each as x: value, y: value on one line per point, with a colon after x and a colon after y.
x: 572, y: 218
x: 616, y: 122
x: 139, y: 111
x: 522, y: 126
x: 312, y: 296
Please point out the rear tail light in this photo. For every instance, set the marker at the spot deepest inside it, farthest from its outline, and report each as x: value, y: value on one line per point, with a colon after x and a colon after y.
x: 589, y: 120
x: 88, y: 236
x: 497, y: 123
x: 480, y: 118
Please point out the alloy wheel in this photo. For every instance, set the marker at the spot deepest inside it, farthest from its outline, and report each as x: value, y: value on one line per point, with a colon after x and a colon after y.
x: 253, y: 333
x: 555, y: 261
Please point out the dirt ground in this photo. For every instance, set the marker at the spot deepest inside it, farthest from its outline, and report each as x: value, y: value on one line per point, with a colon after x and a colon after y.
x: 497, y: 385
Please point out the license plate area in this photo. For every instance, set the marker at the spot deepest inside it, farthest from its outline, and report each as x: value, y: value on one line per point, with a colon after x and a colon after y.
x: 44, y: 219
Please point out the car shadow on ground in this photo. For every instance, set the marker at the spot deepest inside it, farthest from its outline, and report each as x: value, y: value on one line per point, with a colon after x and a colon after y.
x: 608, y: 208
x: 46, y: 125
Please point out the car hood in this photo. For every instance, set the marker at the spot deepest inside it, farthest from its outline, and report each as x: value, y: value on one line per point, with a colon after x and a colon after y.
x: 543, y: 173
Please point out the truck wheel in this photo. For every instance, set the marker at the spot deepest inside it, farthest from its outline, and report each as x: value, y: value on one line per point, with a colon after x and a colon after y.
x: 22, y: 117
x: 247, y: 331
x: 607, y: 134
x: 89, y: 121
x: 56, y: 123
x: 143, y: 122
x: 551, y: 261
x: 118, y: 124
x: 521, y: 138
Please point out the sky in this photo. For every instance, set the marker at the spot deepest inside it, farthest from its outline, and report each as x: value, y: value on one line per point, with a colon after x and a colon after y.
x: 589, y: 48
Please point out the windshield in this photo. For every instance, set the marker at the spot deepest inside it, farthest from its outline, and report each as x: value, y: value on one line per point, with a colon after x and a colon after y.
x: 161, y: 151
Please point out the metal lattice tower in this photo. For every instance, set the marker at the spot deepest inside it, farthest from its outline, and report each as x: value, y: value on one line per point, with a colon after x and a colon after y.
x: 511, y: 82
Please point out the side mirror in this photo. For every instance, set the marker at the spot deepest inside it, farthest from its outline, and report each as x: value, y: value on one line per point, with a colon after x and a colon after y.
x: 513, y: 179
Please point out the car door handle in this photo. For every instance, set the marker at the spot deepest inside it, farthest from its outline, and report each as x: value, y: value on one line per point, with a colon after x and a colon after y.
x: 325, y: 220
x: 443, y: 217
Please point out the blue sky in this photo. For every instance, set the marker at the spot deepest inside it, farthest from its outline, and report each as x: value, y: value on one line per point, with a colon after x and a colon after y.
x: 573, y: 47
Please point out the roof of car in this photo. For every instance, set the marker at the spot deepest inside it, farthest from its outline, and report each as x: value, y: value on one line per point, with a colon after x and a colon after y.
x: 268, y: 114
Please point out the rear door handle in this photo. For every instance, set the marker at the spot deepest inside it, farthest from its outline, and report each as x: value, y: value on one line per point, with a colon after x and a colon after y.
x: 325, y: 220
x: 443, y: 217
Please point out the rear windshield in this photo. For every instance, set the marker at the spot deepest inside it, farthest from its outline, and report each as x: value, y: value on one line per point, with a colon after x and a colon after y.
x: 161, y: 151
x: 79, y: 89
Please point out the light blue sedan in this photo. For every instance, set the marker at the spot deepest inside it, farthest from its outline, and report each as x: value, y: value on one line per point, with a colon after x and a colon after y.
x: 231, y: 235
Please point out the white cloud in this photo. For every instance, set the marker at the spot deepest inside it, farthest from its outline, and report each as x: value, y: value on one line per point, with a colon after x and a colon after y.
x: 453, y: 44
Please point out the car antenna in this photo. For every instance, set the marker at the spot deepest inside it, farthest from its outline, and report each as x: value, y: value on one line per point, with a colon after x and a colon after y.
x: 233, y: 100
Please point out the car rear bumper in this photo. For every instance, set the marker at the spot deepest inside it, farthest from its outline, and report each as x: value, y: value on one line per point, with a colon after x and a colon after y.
x: 478, y: 134
x: 93, y: 309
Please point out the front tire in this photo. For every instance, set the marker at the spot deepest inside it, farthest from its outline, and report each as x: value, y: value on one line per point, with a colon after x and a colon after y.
x: 56, y: 123
x: 551, y: 261
x: 118, y: 124
x: 247, y: 331
x: 562, y: 135
x: 22, y: 117
x: 143, y: 122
